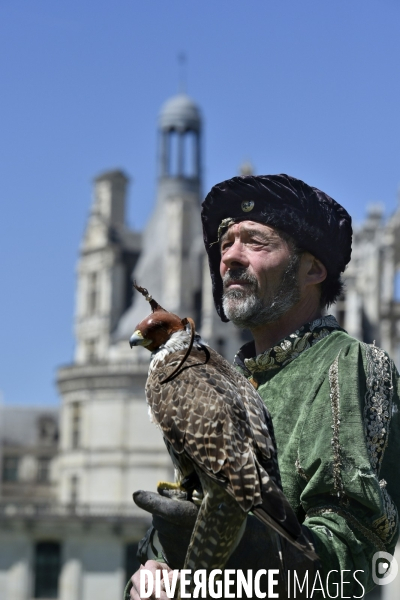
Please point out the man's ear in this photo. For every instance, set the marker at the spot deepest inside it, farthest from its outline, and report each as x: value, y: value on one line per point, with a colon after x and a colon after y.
x: 312, y: 270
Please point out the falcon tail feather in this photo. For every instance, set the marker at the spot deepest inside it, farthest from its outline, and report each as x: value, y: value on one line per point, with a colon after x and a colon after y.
x: 301, y: 543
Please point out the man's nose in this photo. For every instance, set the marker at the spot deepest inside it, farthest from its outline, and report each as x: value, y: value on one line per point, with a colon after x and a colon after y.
x: 235, y: 256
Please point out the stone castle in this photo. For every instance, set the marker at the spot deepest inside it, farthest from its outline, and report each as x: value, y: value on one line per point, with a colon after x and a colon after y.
x: 68, y: 526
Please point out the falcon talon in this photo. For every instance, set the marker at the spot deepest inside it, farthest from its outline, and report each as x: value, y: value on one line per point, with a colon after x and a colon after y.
x: 168, y: 485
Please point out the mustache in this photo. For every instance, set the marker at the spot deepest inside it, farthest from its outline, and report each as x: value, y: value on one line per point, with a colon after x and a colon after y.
x: 241, y: 275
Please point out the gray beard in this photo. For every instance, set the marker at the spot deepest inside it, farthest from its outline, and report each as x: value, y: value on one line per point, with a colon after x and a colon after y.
x: 247, y: 310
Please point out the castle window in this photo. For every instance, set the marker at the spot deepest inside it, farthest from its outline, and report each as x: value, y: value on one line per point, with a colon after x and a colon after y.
x: 10, y: 468
x: 197, y: 306
x: 190, y: 154
x: 47, y: 430
x: 397, y: 287
x: 74, y: 489
x: 91, y: 353
x: 341, y: 310
x: 93, y: 295
x: 47, y: 568
x: 43, y: 472
x: 76, y: 425
x: 174, y: 154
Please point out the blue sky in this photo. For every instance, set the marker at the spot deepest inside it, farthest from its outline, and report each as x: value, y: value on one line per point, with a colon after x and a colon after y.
x: 308, y: 88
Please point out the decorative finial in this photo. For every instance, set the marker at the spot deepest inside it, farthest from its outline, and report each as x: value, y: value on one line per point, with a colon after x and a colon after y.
x: 154, y: 305
x: 246, y: 168
x: 182, y: 72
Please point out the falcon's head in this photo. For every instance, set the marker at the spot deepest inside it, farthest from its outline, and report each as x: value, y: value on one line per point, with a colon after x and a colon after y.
x: 157, y: 328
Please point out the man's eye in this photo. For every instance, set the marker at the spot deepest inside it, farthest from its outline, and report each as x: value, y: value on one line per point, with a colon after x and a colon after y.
x: 258, y: 242
x: 225, y: 246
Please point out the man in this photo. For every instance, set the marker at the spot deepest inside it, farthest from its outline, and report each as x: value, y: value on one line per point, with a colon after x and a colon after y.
x: 276, y: 249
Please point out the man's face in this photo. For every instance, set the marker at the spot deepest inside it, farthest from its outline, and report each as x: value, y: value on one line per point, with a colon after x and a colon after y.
x: 259, y: 274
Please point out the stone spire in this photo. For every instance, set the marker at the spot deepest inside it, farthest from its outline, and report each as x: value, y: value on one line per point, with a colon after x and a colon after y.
x: 170, y: 265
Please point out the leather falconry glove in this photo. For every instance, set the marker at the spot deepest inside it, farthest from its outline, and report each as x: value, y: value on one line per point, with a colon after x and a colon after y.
x: 259, y: 548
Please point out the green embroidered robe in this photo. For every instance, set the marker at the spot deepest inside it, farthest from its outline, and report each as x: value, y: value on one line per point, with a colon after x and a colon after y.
x: 334, y: 403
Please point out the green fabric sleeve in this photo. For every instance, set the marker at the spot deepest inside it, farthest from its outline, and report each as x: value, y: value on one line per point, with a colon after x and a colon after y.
x: 344, y: 447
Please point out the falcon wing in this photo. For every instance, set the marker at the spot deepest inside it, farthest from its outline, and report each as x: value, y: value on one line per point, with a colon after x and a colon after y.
x: 214, y: 416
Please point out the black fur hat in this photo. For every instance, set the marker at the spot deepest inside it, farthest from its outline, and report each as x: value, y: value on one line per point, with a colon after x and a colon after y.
x: 316, y: 222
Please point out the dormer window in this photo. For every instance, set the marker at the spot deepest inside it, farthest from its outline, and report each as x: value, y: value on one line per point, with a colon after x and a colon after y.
x: 47, y: 430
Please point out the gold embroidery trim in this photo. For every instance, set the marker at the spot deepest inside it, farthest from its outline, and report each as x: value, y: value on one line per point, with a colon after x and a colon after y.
x: 378, y: 404
x: 335, y: 406
x: 367, y: 533
x: 292, y: 346
x: 386, y: 526
x: 377, y: 416
x: 300, y: 470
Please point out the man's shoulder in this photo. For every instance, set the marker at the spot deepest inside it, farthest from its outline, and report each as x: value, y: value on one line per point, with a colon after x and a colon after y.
x: 313, y: 349
x: 348, y: 348
x: 357, y: 369
x: 340, y: 344
x: 327, y: 346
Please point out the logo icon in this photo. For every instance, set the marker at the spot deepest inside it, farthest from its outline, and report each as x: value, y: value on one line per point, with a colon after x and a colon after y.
x: 384, y: 568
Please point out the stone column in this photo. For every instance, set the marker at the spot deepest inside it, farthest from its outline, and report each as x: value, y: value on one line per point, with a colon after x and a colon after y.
x: 71, y: 580
x: 352, y: 321
x: 173, y: 254
x: 181, y: 158
x: 164, y: 154
x: 197, y: 155
x: 208, y: 314
x: 18, y: 581
x: 386, y: 341
x: 388, y: 272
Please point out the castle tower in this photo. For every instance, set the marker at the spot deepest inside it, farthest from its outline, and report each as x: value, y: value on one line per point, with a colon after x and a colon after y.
x: 108, y: 447
x: 109, y: 252
x: 171, y: 262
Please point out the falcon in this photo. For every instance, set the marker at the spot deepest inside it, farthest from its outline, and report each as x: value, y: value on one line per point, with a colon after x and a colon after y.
x: 218, y: 433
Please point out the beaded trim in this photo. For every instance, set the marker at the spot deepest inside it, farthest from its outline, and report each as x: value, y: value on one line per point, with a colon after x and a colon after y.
x: 386, y: 526
x: 335, y: 405
x: 300, y: 470
x: 378, y: 404
x: 367, y: 533
x: 292, y: 346
x: 377, y: 415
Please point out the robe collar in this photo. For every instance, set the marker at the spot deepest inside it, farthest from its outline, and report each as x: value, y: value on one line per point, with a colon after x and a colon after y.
x: 287, y: 349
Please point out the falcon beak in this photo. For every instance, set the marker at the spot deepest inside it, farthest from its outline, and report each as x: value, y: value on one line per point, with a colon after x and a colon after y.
x: 137, y: 339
